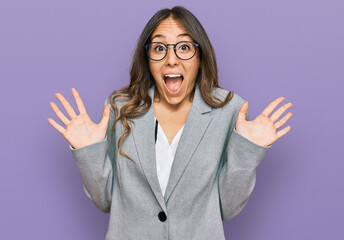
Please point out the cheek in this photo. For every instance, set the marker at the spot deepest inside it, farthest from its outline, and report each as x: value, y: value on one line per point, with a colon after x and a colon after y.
x: 194, y: 68
x: 195, y: 63
x: 154, y: 69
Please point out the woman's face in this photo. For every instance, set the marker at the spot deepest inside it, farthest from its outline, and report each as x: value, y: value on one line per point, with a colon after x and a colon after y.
x: 174, y: 77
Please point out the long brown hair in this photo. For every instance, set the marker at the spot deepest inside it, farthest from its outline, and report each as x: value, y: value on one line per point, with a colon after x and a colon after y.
x: 141, y: 79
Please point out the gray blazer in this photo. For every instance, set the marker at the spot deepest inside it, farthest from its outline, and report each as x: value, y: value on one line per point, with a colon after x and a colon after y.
x: 212, y: 176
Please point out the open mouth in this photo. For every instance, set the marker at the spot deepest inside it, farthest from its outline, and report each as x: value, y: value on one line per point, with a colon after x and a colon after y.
x: 173, y: 82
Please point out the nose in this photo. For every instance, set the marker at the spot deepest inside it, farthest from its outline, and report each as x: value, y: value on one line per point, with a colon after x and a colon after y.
x: 171, y: 57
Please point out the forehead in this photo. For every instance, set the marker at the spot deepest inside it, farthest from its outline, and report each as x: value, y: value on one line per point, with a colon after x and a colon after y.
x: 169, y: 28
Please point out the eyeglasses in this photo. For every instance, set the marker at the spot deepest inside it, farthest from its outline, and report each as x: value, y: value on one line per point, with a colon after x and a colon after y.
x: 184, y: 50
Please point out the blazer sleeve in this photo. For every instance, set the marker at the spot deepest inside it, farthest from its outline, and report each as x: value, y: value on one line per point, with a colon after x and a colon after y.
x: 96, y: 166
x: 237, y: 175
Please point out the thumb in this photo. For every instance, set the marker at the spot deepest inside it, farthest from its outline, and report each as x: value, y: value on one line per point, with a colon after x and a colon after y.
x: 242, y: 112
x: 106, y: 116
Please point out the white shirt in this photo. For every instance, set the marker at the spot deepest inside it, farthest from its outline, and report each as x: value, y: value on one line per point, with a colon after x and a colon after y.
x: 164, y: 155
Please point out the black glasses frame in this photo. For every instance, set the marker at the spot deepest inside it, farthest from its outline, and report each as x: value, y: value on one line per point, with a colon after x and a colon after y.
x: 174, y: 48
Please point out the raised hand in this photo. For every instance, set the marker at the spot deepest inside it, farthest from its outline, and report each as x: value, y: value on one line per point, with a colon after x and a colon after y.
x: 263, y: 129
x: 80, y: 130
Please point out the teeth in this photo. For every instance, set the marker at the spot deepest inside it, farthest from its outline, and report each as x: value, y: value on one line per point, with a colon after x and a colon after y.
x: 173, y: 75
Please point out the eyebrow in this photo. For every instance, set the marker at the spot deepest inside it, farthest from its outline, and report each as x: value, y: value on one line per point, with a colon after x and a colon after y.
x: 162, y: 36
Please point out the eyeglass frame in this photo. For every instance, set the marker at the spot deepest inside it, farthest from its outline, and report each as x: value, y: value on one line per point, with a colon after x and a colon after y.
x: 174, y: 48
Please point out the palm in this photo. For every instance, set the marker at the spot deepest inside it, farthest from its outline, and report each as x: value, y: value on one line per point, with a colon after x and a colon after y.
x: 80, y: 130
x: 263, y: 129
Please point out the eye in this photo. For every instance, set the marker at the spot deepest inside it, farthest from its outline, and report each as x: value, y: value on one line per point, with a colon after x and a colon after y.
x: 184, y: 47
x: 159, y: 48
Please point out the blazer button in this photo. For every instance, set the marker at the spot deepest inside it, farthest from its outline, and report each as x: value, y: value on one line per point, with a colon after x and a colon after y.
x: 162, y: 216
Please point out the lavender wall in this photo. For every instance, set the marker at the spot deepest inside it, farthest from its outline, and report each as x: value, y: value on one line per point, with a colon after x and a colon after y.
x: 265, y: 49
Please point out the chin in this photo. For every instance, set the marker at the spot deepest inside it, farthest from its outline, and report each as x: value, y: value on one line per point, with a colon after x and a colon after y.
x: 175, y: 100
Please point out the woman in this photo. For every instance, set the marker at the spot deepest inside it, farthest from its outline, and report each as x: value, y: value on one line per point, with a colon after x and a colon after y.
x: 152, y: 188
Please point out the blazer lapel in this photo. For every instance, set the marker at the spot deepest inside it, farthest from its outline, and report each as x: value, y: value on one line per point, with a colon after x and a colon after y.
x: 144, y: 138
x: 143, y: 133
x: 195, y: 127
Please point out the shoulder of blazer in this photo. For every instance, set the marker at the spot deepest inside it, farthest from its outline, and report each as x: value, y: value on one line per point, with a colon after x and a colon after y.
x: 231, y: 109
x: 236, y: 101
x: 120, y: 102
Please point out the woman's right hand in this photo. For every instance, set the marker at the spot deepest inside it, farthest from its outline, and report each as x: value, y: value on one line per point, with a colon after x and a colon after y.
x: 80, y: 130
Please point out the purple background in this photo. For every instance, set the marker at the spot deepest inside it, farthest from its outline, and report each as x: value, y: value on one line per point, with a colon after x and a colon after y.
x: 265, y: 49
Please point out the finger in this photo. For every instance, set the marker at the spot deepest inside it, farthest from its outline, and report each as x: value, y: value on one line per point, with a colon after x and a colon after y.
x: 106, y: 116
x: 283, y: 131
x: 280, y: 111
x: 59, y: 114
x: 283, y: 120
x: 66, y: 105
x: 268, y: 110
x: 242, y: 112
x: 79, y: 102
x: 56, y: 126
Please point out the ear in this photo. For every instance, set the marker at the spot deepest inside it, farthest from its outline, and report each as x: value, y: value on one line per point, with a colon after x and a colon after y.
x: 199, y: 52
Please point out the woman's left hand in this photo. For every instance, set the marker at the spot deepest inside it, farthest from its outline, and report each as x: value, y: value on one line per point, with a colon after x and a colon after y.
x: 263, y: 129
